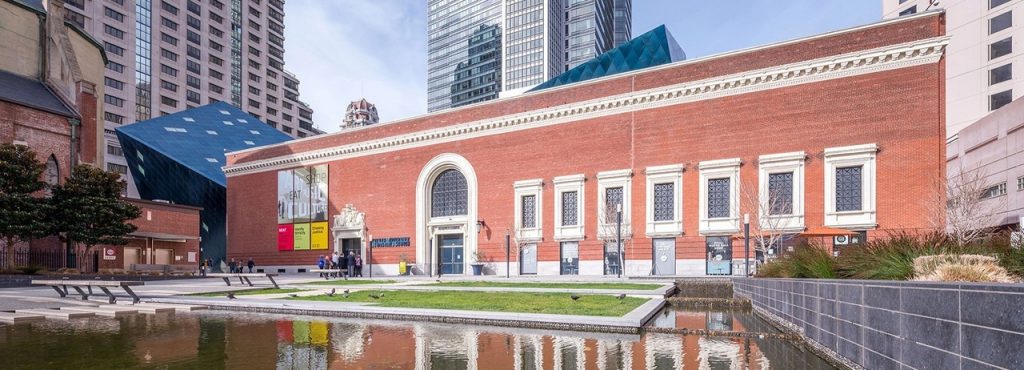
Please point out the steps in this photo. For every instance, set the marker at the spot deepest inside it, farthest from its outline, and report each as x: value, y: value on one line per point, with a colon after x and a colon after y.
x: 165, y: 307
x: 105, y: 311
x: 57, y: 314
x: 17, y: 318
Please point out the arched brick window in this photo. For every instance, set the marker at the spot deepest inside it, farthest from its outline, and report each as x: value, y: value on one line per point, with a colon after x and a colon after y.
x: 448, y: 195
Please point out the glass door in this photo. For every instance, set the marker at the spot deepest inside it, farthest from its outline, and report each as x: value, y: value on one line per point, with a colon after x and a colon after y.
x: 451, y: 251
x: 528, y: 260
x: 570, y: 258
x: 612, y: 262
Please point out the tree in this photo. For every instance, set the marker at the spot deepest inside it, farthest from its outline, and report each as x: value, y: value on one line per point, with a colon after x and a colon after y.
x: 608, y: 232
x: 962, y: 206
x: 88, y: 208
x: 769, y: 216
x: 22, y: 215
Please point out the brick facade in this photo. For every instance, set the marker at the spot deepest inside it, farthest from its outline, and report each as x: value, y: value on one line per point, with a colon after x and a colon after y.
x: 161, y: 226
x: 898, y: 109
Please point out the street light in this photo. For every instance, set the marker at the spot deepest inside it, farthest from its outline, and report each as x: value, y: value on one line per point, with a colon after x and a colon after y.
x: 746, y: 244
x: 508, y: 254
x: 618, y: 237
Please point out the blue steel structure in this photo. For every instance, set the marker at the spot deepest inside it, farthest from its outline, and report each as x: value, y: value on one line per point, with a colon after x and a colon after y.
x: 178, y: 158
x: 656, y: 47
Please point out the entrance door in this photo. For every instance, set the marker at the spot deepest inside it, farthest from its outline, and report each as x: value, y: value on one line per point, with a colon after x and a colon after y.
x: 528, y: 260
x: 350, y: 245
x: 719, y: 255
x: 451, y: 254
x: 131, y: 257
x: 665, y: 256
x: 570, y: 258
x: 162, y: 256
x: 612, y: 262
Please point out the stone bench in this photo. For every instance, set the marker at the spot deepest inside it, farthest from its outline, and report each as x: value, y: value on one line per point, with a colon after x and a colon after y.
x: 61, y: 286
x: 327, y: 273
x: 243, y: 278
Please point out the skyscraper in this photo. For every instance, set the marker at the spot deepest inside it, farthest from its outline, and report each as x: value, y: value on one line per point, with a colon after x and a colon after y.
x: 534, y: 40
x: 166, y: 56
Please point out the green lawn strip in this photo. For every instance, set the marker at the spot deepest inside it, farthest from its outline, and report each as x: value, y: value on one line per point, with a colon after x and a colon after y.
x: 249, y: 292
x: 519, y: 302
x: 503, y: 284
x: 351, y: 282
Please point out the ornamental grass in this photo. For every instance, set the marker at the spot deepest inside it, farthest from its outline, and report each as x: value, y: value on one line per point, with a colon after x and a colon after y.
x: 961, y: 268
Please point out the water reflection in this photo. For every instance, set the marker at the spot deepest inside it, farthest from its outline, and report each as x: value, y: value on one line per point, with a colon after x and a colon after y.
x: 257, y: 341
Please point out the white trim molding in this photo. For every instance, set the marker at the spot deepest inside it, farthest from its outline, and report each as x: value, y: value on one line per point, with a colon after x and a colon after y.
x: 717, y: 169
x: 533, y: 188
x: 427, y: 227
x: 565, y: 184
x: 792, y: 162
x: 614, y: 179
x: 670, y: 174
x: 890, y: 57
x: 851, y: 156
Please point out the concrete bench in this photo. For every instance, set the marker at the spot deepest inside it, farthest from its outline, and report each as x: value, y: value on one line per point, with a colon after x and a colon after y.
x: 327, y: 273
x: 61, y: 286
x: 243, y: 278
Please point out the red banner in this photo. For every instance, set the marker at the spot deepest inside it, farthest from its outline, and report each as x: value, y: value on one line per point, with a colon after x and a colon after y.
x: 285, y: 241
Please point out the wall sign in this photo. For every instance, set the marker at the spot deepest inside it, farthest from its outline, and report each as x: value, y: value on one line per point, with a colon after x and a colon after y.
x: 302, y: 208
x: 109, y: 254
x: 390, y: 242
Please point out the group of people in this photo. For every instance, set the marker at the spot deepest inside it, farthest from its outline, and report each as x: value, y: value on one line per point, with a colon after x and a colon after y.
x: 234, y: 266
x: 352, y: 263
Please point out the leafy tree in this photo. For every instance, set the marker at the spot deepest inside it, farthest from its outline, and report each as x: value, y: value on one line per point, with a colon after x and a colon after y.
x: 88, y: 208
x: 22, y: 215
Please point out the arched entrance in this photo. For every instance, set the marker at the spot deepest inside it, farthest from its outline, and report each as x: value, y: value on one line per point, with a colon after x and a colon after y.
x: 446, y: 214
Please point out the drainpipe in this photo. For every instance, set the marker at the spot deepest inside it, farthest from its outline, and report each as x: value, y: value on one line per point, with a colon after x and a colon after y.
x: 70, y: 244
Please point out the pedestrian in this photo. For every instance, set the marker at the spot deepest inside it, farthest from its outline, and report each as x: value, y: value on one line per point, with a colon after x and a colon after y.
x: 233, y: 266
x: 202, y: 268
x: 321, y: 262
x: 342, y: 265
x: 351, y: 262
x: 359, y: 266
x: 209, y: 264
x: 250, y: 264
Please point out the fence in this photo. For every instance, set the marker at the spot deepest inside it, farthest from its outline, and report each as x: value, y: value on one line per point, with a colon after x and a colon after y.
x: 44, y: 258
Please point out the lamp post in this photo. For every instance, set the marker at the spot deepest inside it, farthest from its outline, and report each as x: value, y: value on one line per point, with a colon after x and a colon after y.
x: 508, y: 255
x: 746, y: 244
x: 369, y: 253
x: 618, y: 235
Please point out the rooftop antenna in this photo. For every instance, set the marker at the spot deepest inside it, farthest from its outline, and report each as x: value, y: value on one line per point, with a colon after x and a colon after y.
x: 931, y: 3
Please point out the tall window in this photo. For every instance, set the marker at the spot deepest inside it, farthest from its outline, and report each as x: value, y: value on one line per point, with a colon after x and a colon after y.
x: 848, y: 188
x: 612, y: 199
x: 448, y: 196
x: 569, y: 208
x: 664, y: 202
x: 780, y: 193
x: 529, y: 215
x: 718, y: 197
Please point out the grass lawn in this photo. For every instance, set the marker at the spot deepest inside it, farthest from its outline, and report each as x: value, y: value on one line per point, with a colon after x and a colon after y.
x: 351, y: 282
x: 519, y: 302
x: 524, y: 284
x: 248, y: 292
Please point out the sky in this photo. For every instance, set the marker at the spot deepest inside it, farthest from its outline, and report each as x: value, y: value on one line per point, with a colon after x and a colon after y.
x: 342, y: 50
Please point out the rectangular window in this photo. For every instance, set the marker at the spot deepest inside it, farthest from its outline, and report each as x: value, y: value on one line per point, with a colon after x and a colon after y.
x: 194, y: 52
x: 1000, y: 22
x: 115, y: 150
x: 612, y: 201
x: 216, y: 46
x: 192, y: 96
x: 1000, y: 48
x: 529, y: 210
x: 780, y: 193
x: 994, y: 191
x: 994, y: 3
x: 113, y: 14
x: 193, y: 67
x: 107, y: 29
x: 168, y: 101
x: 216, y: 61
x: 848, y: 188
x: 113, y: 49
x: 1020, y: 183
x: 216, y: 75
x: 999, y: 99
x: 194, y: 23
x: 193, y: 37
x: 664, y: 201
x: 168, y: 70
x: 169, y: 24
x: 718, y: 197
x: 117, y: 168
x: 113, y: 118
x: 169, y: 8
x: 192, y: 81
x: 1000, y: 74
x: 216, y: 89
x: 169, y: 55
x: 909, y: 11
x: 168, y: 86
x: 116, y: 67
x: 112, y: 83
x: 570, y: 208
x: 113, y: 100
x: 168, y: 39
x: 194, y: 8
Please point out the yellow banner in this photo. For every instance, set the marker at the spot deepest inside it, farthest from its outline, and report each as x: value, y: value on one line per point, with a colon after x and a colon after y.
x: 301, y: 234
x: 318, y: 235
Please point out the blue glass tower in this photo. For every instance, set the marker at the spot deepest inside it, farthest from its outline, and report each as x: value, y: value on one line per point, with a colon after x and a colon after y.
x: 656, y: 47
x: 178, y: 158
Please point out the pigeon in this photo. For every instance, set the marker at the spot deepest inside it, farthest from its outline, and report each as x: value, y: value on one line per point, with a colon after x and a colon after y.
x: 331, y: 294
x: 374, y: 296
x: 621, y: 296
x: 346, y: 291
x: 231, y: 296
x: 293, y: 295
x: 574, y: 297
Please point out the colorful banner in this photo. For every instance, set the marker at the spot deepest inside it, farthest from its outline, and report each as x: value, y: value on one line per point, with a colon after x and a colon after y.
x: 285, y: 241
x: 302, y: 180
x: 300, y: 332
x: 318, y: 236
x: 301, y: 232
x: 285, y: 201
x: 318, y: 193
x: 318, y: 333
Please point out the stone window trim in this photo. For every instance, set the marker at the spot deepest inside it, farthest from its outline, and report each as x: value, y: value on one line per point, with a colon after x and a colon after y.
x: 606, y: 221
x: 792, y: 162
x: 863, y: 156
x: 667, y: 174
x: 718, y: 169
x: 565, y: 184
x: 534, y: 187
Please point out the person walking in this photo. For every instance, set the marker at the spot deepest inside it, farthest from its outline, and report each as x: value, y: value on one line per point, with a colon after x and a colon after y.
x: 321, y: 262
x: 359, y: 266
x: 209, y: 265
x: 202, y: 268
x: 250, y: 264
x: 342, y: 265
x: 233, y: 266
x: 350, y: 260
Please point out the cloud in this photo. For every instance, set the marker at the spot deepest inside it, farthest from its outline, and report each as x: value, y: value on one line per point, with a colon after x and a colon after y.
x: 344, y: 50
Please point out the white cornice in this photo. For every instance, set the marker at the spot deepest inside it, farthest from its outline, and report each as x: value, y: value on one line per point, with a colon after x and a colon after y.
x: 839, y: 66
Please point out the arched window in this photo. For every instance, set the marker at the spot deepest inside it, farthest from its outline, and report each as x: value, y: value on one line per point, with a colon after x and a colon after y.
x: 52, y: 174
x: 448, y: 195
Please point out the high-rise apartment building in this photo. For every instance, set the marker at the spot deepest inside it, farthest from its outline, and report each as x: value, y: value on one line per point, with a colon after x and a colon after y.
x: 981, y: 59
x: 482, y: 49
x: 166, y: 56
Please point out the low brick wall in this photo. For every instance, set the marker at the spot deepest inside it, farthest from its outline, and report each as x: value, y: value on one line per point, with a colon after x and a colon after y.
x: 886, y: 325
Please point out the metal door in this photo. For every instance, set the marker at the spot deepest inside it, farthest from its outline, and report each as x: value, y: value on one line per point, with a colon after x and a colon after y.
x: 131, y: 257
x: 570, y: 258
x: 451, y: 254
x: 162, y: 256
x: 528, y: 260
x: 612, y: 261
x: 665, y: 256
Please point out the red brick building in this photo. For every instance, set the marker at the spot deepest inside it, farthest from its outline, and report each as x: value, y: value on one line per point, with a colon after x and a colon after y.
x: 168, y: 234
x: 841, y: 131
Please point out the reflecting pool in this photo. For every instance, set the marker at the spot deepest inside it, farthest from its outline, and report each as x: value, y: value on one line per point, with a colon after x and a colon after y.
x: 216, y: 340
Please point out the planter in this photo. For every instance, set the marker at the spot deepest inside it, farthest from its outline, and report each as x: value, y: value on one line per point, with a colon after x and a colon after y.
x: 478, y: 269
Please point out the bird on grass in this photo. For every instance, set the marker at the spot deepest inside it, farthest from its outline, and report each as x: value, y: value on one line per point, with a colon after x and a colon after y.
x: 293, y: 295
x: 621, y: 296
x: 331, y: 293
x: 374, y: 296
x: 574, y: 297
x: 232, y: 296
x: 346, y: 291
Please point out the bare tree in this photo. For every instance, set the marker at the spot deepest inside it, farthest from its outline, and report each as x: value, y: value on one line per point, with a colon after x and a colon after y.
x: 608, y: 230
x: 965, y: 205
x: 770, y: 215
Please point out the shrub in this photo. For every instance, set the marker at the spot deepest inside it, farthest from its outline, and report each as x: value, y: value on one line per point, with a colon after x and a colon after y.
x: 969, y: 268
x: 892, y: 258
x: 778, y: 268
x: 31, y: 269
x: 805, y: 261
